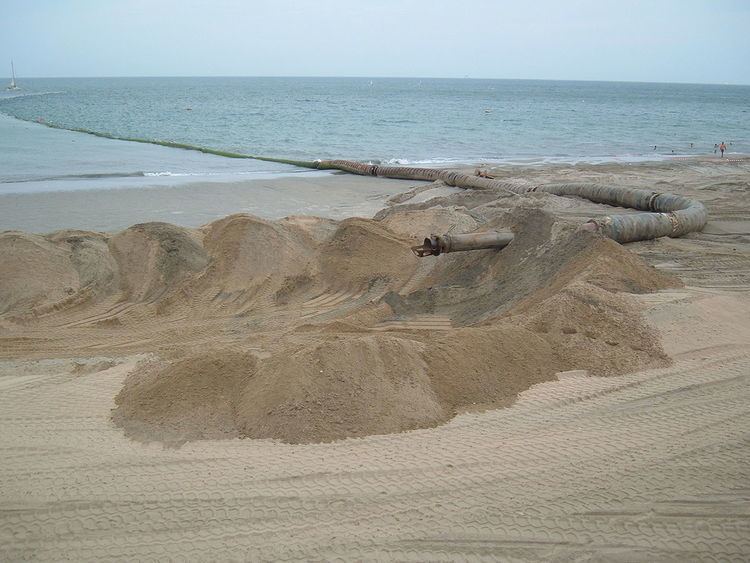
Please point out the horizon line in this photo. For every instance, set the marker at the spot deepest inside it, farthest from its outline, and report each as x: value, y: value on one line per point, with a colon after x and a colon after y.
x: 386, y: 77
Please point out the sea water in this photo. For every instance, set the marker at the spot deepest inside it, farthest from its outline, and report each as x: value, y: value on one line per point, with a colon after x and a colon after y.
x: 391, y: 120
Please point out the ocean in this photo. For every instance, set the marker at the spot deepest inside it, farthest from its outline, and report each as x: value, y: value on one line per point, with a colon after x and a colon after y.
x: 391, y: 120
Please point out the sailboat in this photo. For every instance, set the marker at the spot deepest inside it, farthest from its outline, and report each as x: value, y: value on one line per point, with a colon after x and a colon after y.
x: 13, y: 78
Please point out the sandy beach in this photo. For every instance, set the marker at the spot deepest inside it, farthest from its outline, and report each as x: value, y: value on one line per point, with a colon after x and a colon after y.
x: 333, y: 196
x: 243, y: 387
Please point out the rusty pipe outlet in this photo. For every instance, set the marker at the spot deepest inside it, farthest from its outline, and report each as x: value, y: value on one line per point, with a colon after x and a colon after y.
x: 436, y: 245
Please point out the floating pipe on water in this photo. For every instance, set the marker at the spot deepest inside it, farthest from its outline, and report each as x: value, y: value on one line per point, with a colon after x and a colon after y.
x: 436, y: 245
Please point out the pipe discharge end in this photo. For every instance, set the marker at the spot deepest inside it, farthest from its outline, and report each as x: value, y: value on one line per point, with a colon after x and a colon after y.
x: 430, y: 247
x: 435, y: 245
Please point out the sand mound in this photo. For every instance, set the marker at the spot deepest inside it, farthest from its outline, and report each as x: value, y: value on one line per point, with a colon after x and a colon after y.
x: 544, y: 257
x: 97, y: 269
x: 193, y: 398
x: 308, y: 330
x: 327, y: 390
x: 34, y: 272
x: 245, y: 248
x: 154, y: 258
x: 361, y: 252
x: 349, y: 385
x: 341, y: 381
x: 590, y: 328
x: 340, y: 387
x: 476, y: 368
x: 335, y: 387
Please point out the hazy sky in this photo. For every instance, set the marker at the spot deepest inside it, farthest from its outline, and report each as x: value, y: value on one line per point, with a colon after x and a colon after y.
x: 655, y: 40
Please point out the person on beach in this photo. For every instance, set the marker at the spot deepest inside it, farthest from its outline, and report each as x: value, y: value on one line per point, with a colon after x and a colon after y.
x: 716, y: 148
x: 722, y: 148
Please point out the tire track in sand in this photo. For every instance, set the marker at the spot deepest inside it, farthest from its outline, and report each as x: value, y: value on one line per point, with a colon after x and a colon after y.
x: 571, y: 470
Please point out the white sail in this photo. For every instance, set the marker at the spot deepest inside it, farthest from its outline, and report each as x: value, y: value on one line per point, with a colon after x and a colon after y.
x: 13, y: 77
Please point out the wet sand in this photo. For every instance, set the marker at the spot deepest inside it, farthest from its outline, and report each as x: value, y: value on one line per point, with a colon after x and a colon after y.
x: 647, y: 462
x: 333, y: 196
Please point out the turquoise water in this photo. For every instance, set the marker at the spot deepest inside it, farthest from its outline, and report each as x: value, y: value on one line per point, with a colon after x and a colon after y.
x: 379, y: 120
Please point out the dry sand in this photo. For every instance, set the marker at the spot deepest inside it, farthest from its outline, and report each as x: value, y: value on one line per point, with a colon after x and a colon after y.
x: 139, y: 363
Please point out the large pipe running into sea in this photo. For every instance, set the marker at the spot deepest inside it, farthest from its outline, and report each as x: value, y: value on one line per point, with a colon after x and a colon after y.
x: 666, y: 214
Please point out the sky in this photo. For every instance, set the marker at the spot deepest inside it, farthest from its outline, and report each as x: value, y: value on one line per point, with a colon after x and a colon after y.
x: 697, y: 41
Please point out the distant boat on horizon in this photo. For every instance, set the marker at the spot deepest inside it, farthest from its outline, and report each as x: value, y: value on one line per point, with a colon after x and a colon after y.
x: 12, y: 85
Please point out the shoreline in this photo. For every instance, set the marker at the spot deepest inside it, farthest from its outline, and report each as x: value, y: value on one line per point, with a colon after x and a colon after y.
x: 331, y: 195
x: 147, y: 163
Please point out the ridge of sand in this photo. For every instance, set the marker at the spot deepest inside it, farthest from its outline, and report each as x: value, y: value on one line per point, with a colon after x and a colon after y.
x: 306, y: 368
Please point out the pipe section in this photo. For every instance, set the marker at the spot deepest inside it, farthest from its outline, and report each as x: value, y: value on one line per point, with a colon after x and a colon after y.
x: 667, y: 214
x: 436, y: 245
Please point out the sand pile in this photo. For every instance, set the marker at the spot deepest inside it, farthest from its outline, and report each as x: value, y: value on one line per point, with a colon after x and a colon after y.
x: 154, y: 258
x: 340, y: 386
x: 190, y: 398
x: 61, y: 270
x: 309, y: 330
x: 550, y: 302
x: 35, y: 271
x: 322, y: 386
x: 248, y: 250
x: 333, y: 387
x: 361, y: 252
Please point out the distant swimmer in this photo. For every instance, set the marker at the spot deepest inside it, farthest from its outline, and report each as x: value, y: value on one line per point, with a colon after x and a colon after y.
x: 691, y: 145
x: 716, y: 148
x: 722, y: 148
x: 654, y: 147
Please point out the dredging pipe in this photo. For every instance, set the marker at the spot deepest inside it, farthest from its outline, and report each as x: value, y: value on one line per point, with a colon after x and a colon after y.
x: 435, y: 245
x: 666, y: 214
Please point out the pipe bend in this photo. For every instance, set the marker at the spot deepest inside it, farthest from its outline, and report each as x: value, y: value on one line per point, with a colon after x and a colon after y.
x: 665, y: 214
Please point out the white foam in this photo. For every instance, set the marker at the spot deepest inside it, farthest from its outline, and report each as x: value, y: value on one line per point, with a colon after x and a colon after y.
x: 531, y: 160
